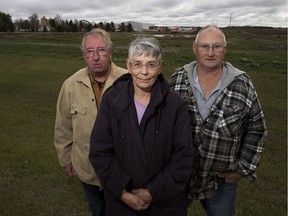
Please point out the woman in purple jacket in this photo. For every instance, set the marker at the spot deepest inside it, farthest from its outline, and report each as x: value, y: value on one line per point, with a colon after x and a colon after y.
x: 141, y: 145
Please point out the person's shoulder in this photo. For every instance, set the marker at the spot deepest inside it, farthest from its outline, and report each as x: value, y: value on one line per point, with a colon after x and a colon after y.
x: 233, y: 70
x: 122, y: 70
x: 174, y: 102
x: 245, y: 79
x: 77, y: 75
x: 239, y: 76
x: 122, y: 79
x: 118, y: 84
x: 118, y: 70
x: 184, y: 69
x: 175, y: 97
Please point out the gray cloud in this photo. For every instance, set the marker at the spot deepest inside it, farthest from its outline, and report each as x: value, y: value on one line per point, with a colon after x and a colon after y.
x: 162, y: 12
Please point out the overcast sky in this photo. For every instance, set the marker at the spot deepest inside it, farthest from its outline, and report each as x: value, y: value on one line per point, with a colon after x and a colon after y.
x: 161, y: 13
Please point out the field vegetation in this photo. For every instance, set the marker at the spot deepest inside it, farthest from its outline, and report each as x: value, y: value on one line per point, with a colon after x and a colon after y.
x: 33, y: 67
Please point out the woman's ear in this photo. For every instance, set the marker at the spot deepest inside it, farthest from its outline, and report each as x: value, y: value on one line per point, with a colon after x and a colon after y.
x: 128, y: 65
x: 160, y: 67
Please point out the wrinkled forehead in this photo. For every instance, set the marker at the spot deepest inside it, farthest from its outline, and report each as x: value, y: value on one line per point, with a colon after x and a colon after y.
x: 211, y: 35
x: 95, y: 39
x: 144, y: 55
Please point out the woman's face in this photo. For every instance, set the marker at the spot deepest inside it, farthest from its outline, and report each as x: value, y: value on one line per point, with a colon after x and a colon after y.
x: 144, y: 70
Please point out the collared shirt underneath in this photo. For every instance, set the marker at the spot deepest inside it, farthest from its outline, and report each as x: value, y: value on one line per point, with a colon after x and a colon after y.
x: 97, y: 89
x: 222, y: 147
x: 203, y: 105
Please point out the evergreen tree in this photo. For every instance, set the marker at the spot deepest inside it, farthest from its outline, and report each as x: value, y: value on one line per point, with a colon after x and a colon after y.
x: 112, y: 26
x: 130, y: 27
x: 6, y: 24
x: 108, y: 27
x: 122, y: 27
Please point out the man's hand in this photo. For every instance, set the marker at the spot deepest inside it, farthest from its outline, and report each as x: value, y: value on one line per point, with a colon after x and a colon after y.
x: 230, y: 177
x: 69, y: 170
x: 134, y: 201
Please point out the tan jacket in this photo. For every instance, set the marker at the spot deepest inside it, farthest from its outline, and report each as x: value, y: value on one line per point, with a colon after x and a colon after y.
x: 75, y: 116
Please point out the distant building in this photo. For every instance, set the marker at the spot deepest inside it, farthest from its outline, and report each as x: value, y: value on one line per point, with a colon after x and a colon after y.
x: 137, y: 26
x: 44, y: 28
x: 44, y: 25
x: 159, y: 28
x: 182, y: 29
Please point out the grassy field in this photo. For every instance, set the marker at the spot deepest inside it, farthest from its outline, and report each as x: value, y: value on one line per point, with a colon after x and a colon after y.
x: 32, y: 69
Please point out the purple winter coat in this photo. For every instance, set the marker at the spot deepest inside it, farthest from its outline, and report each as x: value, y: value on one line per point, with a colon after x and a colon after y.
x: 157, y: 154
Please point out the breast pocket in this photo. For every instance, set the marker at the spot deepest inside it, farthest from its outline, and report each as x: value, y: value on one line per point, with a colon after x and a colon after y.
x: 78, y: 110
x: 230, y: 121
x: 78, y: 117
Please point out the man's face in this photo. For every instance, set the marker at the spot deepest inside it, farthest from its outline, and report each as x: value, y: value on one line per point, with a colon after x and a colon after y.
x: 97, y: 55
x: 210, y: 49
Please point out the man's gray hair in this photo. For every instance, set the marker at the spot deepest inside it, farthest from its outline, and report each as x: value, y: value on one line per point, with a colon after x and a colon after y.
x: 98, y: 32
x: 210, y: 26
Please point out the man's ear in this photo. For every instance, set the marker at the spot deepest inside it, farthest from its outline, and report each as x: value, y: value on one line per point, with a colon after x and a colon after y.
x: 194, y: 47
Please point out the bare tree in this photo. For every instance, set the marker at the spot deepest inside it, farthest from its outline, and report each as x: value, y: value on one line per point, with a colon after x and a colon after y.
x: 34, y: 22
x: 58, y: 19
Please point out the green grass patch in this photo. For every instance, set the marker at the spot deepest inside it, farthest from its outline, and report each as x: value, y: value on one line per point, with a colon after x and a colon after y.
x: 33, y: 67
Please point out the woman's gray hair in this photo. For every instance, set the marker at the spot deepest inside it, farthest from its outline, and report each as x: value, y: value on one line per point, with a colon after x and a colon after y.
x: 98, y: 32
x: 210, y: 26
x: 145, y: 46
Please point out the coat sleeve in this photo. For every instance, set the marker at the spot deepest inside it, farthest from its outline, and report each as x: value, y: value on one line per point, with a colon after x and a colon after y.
x: 253, y: 137
x: 63, y: 133
x: 173, y: 179
x: 102, y: 153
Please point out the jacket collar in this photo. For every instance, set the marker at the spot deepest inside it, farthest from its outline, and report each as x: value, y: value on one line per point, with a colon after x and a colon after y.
x: 125, y: 93
x: 113, y: 75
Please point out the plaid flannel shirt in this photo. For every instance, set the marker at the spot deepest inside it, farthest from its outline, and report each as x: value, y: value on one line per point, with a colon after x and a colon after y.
x: 231, y: 138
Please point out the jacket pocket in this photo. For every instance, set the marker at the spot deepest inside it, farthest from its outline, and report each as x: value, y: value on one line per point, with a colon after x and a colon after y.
x: 80, y: 122
x: 78, y: 110
x: 230, y: 121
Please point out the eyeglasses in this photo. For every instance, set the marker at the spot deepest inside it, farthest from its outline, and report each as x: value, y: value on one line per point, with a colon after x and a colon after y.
x: 215, y: 47
x: 100, y: 52
x: 151, y: 66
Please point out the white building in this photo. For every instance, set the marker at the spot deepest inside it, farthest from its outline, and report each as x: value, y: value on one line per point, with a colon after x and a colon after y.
x: 137, y: 26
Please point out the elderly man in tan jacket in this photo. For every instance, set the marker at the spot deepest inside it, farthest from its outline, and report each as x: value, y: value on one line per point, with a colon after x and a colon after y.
x: 77, y: 107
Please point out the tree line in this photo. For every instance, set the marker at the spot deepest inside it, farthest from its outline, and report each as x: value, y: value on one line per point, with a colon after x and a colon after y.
x: 57, y: 24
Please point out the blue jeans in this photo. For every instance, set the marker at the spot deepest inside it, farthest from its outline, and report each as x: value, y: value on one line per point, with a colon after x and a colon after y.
x: 95, y: 199
x: 223, y: 202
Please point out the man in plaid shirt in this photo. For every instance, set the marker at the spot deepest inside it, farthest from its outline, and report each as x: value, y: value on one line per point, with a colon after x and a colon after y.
x: 227, y: 122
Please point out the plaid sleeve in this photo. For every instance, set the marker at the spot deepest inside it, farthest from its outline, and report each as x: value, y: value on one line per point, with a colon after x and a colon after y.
x: 253, y: 138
